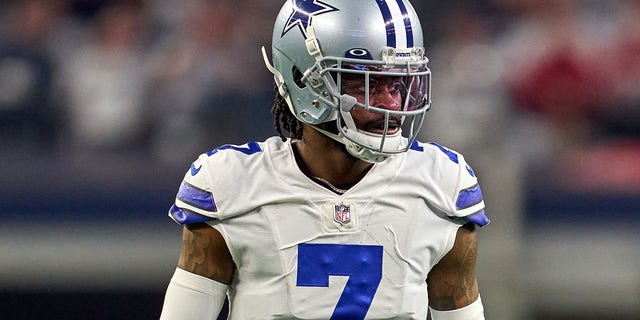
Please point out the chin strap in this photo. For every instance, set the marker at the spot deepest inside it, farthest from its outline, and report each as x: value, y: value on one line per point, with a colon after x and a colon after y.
x: 279, y: 79
x: 354, y: 149
x: 313, y: 47
x: 336, y: 137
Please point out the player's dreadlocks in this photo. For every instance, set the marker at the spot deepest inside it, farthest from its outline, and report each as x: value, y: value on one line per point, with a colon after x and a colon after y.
x: 284, y: 119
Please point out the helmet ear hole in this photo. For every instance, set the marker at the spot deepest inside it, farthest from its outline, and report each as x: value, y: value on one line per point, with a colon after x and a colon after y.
x: 297, y: 78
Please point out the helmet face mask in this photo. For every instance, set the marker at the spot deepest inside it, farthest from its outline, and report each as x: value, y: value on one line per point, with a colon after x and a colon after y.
x: 345, y: 60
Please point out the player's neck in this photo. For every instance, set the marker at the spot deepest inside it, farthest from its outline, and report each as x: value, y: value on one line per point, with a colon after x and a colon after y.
x: 320, y: 157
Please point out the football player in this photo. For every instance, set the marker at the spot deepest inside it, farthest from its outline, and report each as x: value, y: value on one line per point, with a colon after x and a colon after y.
x: 345, y: 215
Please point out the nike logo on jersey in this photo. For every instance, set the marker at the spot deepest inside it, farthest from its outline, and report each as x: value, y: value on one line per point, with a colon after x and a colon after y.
x: 470, y: 170
x: 195, y: 170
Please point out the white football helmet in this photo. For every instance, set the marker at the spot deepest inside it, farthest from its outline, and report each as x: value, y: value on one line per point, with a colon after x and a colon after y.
x: 316, y: 42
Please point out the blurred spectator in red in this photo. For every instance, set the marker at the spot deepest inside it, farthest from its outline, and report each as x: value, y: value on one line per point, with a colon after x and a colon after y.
x: 611, y: 161
x: 620, y: 115
x: 550, y: 72
x: 574, y: 74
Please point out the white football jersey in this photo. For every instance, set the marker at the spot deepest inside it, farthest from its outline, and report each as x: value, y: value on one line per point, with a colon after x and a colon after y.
x: 305, y: 252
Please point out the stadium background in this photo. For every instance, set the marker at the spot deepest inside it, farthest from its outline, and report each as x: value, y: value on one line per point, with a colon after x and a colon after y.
x: 104, y: 104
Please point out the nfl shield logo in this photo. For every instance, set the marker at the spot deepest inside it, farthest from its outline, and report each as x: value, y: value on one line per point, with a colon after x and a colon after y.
x: 342, y: 213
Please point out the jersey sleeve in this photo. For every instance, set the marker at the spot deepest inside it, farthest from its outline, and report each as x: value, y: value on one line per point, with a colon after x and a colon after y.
x: 468, y: 201
x: 461, y: 191
x: 194, y: 201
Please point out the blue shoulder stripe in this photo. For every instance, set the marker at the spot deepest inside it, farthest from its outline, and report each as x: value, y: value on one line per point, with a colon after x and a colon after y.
x: 183, y: 216
x: 479, y: 218
x: 452, y: 155
x: 469, y: 197
x: 196, y: 197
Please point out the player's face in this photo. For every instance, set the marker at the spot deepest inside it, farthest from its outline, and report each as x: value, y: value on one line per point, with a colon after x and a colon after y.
x: 385, y: 92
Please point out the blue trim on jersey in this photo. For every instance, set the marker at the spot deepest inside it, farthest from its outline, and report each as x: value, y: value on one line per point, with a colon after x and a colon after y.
x: 196, y: 197
x: 407, y: 23
x: 469, y: 197
x: 251, y: 148
x: 452, y: 155
x: 415, y: 146
x: 470, y: 170
x: 184, y: 216
x: 388, y: 23
x: 479, y: 218
x: 194, y: 169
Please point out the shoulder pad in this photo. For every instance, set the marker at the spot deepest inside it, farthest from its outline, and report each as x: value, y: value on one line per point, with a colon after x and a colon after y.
x: 467, y: 203
x: 212, y: 184
x: 194, y: 201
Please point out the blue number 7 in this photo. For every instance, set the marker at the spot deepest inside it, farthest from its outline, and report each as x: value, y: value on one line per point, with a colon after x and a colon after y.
x: 362, y: 264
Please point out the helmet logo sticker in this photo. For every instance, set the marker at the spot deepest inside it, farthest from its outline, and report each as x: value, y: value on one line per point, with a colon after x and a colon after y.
x: 303, y: 11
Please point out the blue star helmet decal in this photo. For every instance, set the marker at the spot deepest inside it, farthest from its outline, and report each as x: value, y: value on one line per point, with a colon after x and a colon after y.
x: 303, y: 11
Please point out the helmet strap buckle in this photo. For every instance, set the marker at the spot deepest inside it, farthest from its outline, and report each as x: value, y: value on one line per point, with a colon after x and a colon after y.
x: 313, y: 47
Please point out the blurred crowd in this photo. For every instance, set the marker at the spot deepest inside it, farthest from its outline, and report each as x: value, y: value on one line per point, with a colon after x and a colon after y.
x: 160, y: 77
x: 554, y: 83
x: 533, y: 93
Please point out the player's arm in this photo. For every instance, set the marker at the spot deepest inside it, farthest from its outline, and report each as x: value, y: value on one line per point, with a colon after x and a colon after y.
x: 205, y: 253
x: 198, y: 288
x: 453, y: 288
